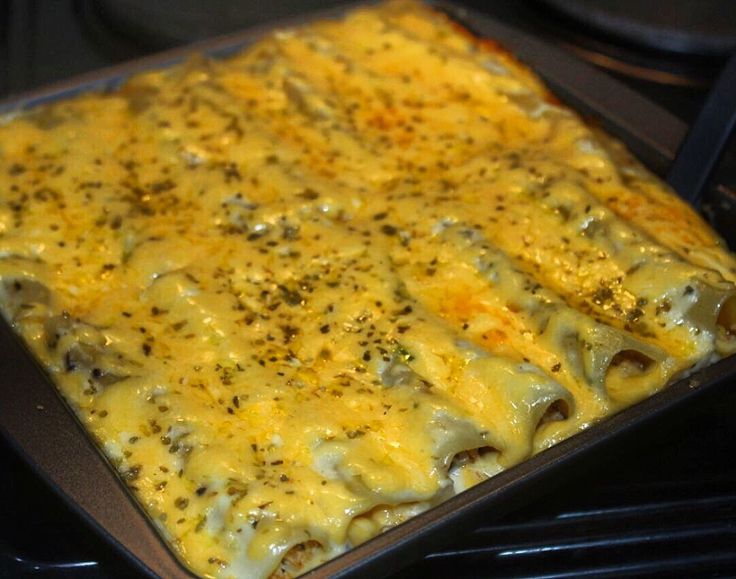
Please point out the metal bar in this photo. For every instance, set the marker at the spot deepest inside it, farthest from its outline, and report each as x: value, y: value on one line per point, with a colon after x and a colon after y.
x: 710, y: 134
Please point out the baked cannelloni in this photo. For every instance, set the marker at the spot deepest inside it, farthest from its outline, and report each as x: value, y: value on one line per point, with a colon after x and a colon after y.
x: 305, y: 292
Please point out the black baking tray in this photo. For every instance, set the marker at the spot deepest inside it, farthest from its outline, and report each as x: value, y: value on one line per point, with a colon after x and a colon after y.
x: 42, y: 428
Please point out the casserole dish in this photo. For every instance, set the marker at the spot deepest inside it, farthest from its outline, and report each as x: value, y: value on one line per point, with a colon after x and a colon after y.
x: 42, y: 408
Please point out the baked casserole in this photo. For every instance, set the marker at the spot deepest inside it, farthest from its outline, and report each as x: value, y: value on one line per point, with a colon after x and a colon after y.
x: 303, y: 293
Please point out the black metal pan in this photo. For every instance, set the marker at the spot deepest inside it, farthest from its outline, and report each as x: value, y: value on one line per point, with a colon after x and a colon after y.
x: 40, y: 426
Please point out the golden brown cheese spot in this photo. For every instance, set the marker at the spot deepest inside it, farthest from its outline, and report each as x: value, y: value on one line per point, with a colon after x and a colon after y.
x: 305, y: 293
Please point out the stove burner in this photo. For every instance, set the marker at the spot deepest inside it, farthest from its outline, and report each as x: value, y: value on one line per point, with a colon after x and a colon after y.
x: 643, y: 40
x: 704, y: 28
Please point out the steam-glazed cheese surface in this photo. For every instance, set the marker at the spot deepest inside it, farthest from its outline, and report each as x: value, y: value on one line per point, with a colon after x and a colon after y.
x: 301, y: 294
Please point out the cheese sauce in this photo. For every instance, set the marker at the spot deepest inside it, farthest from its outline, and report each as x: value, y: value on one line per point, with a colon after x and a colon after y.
x: 304, y: 293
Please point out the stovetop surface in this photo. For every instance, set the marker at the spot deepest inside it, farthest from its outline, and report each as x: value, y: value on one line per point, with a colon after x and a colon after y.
x: 662, y: 505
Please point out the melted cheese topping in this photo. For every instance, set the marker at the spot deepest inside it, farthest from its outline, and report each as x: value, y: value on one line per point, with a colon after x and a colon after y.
x: 304, y: 293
